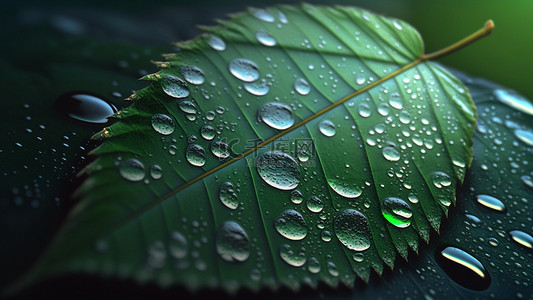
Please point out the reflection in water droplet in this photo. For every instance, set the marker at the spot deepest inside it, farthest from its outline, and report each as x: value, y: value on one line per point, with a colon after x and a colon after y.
x: 522, y: 238
x: 391, y: 154
x: 228, y: 196
x: 216, y: 43
x: 193, y: 74
x: 364, y: 110
x: 264, y: 15
x: 296, y: 197
x: 276, y: 115
x: 156, y: 172
x: 463, y: 268
x: 360, y: 79
x: 265, y: 39
x: 345, y: 189
x: 289, y: 256
x: 174, y: 87
x: 187, y: 107
x: 178, y: 246
x: 396, y: 211
x: 85, y: 107
x: 525, y: 136
x: 327, y: 128
x: 352, y: 230
x: 291, y: 225
x: 332, y: 269
x: 515, y: 101
x: 279, y: 170
x: 232, y: 242
x: 396, y: 101
x: 491, y: 202
x: 243, y: 69
x: 256, y: 88
x: 302, y: 86
x: 132, y: 170
x: 208, y: 132
x: 163, y: 124
x: 314, y: 204
x: 397, y: 25
x: 313, y: 265
x: 195, y: 155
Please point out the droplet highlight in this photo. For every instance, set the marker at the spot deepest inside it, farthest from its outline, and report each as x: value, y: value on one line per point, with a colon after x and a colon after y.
x: 396, y: 211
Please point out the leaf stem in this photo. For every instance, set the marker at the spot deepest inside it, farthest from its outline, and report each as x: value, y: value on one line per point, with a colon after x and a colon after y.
x: 483, y: 32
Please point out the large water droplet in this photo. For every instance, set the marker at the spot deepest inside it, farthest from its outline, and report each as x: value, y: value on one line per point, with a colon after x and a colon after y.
x: 163, y: 124
x: 345, y: 189
x: 291, y: 225
x: 302, y: 86
x: 208, y: 132
x: 265, y: 39
x: 257, y: 88
x: 85, y: 107
x: 244, y: 69
x: 193, y: 74
x: 515, y: 101
x: 178, y: 246
x: 396, y: 101
x: 522, y: 238
x: 216, y: 43
x: 227, y: 195
x: 174, y: 87
x: 279, y: 170
x: 396, y: 211
x: 296, y: 197
x: 463, y: 268
x: 327, y: 128
x: 220, y: 149
x: 195, y: 155
x: 276, y: 115
x: 491, y: 202
x: 132, y: 170
x: 264, y: 15
x: 364, y: 110
x: 156, y: 172
x: 391, y: 154
x: 187, y: 107
x: 232, y: 242
x: 314, y: 204
x: 295, y: 259
x: 352, y: 230
x: 525, y: 136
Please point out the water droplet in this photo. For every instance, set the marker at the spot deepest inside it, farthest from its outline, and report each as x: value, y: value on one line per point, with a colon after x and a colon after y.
x: 243, y: 69
x: 208, y: 132
x: 491, y: 202
x: 360, y: 79
x: 345, y: 189
x: 413, y: 198
x: 352, y: 230
x: 358, y: 257
x: 187, y: 107
x: 264, y: 15
x: 156, y: 172
x: 256, y: 88
x: 303, y: 155
x: 276, y: 115
x: 527, y: 180
x: 85, y: 107
x: 326, y: 236
x: 463, y: 268
x: 216, y: 43
x: 302, y: 86
x: 396, y: 211
x: 232, y: 242
x: 327, y: 128
x: 296, y: 197
x: 279, y: 170
x: 193, y: 74
x: 195, y: 155
x: 396, y: 101
x: 291, y: 225
x: 391, y: 154
x: 178, y: 246
x: 405, y: 117
x: 163, y: 124
x: 292, y: 258
x: 132, y: 170
x: 220, y: 149
x: 522, y: 238
x: 364, y: 110
x: 156, y: 255
x: 441, y: 179
x: 265, y: 39
x: 210, y: 115
x: 397, y: 25
x: 332, y: 269
x: 515, y: 101
x: 313, y: 265
x: 174, y: 87
x: 525, y: 136
x: 314, y: 204
x: 228, y: 196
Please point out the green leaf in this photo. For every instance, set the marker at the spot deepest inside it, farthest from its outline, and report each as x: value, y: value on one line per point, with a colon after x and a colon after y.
x: 375, y: 169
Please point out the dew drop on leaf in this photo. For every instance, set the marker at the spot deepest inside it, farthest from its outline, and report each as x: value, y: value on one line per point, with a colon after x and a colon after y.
x: 85, y: 107
x: 360, y: 79
x: 396, y: 101
x: 265, y: 39
x: 207, y: 132
x: 187, y: 107
x: 156, y: 172
x: 396, y: 211
x: 279, y: 170
x: 302, y: 86
x: 220, y: 149
x: 232, y: 242
x: 291, y: 225
x: 525, y: 136
x: 264, y: 15
x: 327, y: 128
x: 296, y: 197
x: 163, y: 124
x: 256, y: 88
x: 295, y: 259
x: 193, y: 74
x: 276, y: 115
x: 244, y: 69
x: 178, y: 245
x: 364, y: 110
x: 195, y: 155
x: 391, y: 154
x: 514, y: 100
x: 522, y: 238
x: 216, y: 43
x: 463, y: 268
x: 314, y: 204
x: 132, y: 170
x: 352, y: 230
x: 491, y: 203
x: 228, y: 196
x: 313, y: 265
x: 174, y: 87
x: 347, y: 190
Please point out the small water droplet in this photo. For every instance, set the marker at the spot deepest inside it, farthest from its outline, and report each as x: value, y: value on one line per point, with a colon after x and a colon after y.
x: 522, y: 238
x: 132, y: 170
x: 264, y: 15
x: 391, y: 154
x: 265, y: 39
x: 187, y: 107
x: 463, y: 268
x: 257, y: 88
x: 220, y: 149
x: 291, y: 225
x: 276, y: 115
x: 345, y: 189
x: 195, y: 155
x: 326, y: 236
x: 228, y: 196
x: 193, y: 74
x: 208, y: 132
x: 290, y: 257
x: 327, y: 128
x: 525, y: 136
x: 314, y: 204
x: 216, y: 43
x: 515, y: 101
x: 244, y: 69
x: 364, y: 110
x: 396, y: 101
x: 313, y: 265
x: 156, y: 172
x: 296, y: 197
x: 174, y: 87
x: 85, y: 107
x: 178, y: 245
x: 360, y: 79
x: 302, y: 86
x: 232, y: 242
x: 352, y: 230
x: 358, y: 257
x: 397, y: 25
x: 279, y: 170
x: 332, y: 269
x: 396, y: 211
x: 491, y: 202
x: 163, y: 124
